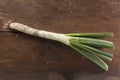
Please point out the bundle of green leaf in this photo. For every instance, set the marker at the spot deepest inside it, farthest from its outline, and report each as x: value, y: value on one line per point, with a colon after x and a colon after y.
x: 86, y: 44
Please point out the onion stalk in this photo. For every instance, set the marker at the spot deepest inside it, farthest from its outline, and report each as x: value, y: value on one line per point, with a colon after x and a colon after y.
x: 86, y: 44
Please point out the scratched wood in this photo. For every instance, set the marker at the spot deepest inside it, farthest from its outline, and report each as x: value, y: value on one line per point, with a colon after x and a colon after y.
x: 24, y: 54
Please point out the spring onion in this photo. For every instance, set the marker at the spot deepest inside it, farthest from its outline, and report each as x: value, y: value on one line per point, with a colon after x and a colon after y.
x: 87, y: 44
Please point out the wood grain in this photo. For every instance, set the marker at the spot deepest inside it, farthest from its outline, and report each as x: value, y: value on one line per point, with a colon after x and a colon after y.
x: 21, y: 53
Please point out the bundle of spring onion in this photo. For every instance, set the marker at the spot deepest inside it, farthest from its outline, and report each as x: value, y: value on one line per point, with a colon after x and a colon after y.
x: 86, y: 44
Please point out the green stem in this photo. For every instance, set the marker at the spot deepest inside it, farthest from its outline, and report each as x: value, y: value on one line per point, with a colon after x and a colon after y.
x: 91, y: 35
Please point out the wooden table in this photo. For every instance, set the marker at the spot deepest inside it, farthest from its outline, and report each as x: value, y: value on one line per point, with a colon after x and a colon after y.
x: 24, y: 57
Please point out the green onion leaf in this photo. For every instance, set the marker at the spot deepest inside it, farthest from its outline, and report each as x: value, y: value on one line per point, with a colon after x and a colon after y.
x: 90, y: 56
x: 91, y: 35
x: 97, y: 52
x: 94, y: 42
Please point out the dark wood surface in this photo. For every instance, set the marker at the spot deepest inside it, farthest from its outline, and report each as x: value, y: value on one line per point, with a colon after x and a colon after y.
x: 24, y: 57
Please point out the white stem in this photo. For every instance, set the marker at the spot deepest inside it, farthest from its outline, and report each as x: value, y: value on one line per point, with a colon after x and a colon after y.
x: 40, y: 33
